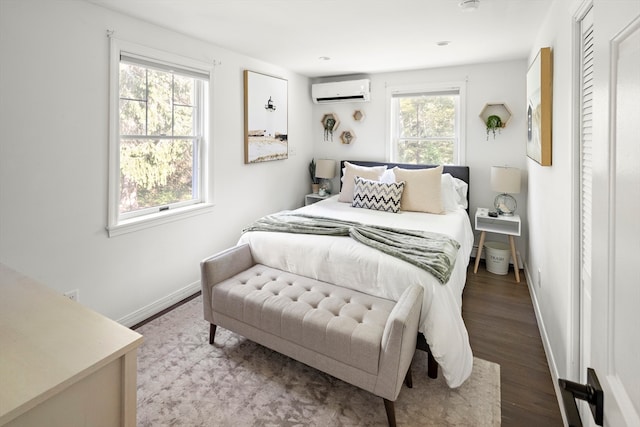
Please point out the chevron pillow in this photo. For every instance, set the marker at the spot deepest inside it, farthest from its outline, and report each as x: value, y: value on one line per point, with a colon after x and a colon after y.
x: 377, y: 195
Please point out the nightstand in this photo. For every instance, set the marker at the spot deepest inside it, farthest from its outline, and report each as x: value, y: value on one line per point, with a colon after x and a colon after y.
x: 509, y: 225
x: 312, y: 198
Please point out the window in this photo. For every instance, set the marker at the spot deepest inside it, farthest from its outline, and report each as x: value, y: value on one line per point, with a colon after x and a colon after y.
x: 425, y: 125
x: 158, y: 137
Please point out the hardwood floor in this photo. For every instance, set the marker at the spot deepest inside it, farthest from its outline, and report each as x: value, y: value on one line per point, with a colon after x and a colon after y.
x: 503, y: 329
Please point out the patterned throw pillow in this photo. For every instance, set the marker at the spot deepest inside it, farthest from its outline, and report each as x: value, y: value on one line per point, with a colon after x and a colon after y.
x: 377, y: 195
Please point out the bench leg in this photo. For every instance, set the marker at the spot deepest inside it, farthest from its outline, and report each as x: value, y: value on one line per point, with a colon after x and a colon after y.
x: 408, y: 380
x: 391, y: 412
x: 212, y: 333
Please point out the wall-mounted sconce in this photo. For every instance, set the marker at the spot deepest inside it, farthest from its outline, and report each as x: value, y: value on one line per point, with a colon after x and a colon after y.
x: 270, y: 106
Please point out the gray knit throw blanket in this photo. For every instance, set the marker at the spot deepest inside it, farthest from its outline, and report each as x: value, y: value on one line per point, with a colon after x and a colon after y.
x: 432, y: 252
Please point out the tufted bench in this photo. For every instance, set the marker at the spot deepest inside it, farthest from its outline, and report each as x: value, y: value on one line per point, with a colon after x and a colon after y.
x: 361, y: 339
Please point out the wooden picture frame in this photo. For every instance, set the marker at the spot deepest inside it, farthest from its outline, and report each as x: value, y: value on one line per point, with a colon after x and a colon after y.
x: 265, y: 118
x: 539, y: 107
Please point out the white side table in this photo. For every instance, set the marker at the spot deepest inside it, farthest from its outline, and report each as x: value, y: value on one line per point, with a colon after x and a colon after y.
x: 312, y: 198
x: 509, y: 225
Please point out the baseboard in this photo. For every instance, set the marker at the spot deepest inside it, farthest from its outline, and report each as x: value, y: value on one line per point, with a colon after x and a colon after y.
x: 157, y: 306
x: 553, y: 368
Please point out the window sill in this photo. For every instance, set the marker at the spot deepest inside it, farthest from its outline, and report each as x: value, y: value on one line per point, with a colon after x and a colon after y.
x: 153, y: 220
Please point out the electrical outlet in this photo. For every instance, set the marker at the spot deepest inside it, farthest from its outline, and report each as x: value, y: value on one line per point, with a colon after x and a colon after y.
x: 539, y: 278
x: 73, y: 295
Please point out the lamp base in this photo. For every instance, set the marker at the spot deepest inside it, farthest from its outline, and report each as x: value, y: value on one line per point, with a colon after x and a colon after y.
x: 505, y: 204
x: 326, y: 185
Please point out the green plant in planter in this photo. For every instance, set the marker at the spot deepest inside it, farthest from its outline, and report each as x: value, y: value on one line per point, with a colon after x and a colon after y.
x: 312, y: 172
x: 493, y: 122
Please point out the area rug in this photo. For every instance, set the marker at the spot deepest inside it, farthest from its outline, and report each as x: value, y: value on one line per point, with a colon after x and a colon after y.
x: 184, y: 381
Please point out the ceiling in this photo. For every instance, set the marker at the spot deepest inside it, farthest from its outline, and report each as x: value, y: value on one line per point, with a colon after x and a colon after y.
x: 359, y: 36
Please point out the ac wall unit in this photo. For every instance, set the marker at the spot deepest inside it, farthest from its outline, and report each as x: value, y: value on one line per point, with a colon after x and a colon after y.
x: 347, y: 91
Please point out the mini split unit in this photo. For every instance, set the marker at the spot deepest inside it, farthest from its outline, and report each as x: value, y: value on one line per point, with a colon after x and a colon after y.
x: 347, y: 91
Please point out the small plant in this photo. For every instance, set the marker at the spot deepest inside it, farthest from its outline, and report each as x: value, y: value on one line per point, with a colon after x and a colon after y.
x: 312, y: 172
x: 493, y: 122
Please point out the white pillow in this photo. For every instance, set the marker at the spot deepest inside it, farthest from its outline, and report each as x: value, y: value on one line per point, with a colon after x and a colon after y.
x: 454, y: 193
x: 388, y: 176
x: 349, y: 176
x: 449, y: 193
x: 422, y: 190
x: 461, y: 189
x: 377, y: 195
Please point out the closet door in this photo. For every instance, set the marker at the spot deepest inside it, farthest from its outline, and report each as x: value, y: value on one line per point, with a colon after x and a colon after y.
x: 611, y: 278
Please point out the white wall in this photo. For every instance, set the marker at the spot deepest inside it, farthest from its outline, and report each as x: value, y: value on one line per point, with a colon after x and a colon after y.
x: 486, y: 83
x: 53, y: 160
x: 551, y: 202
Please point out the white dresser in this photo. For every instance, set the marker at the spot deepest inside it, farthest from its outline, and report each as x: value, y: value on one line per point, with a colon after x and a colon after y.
x: 62, y: 364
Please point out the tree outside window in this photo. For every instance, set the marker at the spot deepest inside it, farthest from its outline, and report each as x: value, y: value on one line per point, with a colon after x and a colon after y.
x: 425, y: 127
x: 160, y: 134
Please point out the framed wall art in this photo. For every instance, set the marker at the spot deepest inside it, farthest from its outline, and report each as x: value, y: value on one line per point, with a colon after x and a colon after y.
x: 265, y: 118
x: 539, y: 103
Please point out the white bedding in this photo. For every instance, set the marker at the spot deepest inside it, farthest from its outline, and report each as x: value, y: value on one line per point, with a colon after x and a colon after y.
x: 346, y: 262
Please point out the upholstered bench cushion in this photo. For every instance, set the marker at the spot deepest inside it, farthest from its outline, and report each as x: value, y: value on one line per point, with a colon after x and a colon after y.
x: 340, y: 323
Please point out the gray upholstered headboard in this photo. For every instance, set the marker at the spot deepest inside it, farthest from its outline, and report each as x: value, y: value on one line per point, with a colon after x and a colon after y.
x: 460, y: 172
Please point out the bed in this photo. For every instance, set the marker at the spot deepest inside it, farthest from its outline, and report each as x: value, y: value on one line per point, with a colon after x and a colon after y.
x: 346, y: 262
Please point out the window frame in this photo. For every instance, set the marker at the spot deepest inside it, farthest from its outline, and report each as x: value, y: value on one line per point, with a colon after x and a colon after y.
x: 459, y: 148
x: 118, y: 223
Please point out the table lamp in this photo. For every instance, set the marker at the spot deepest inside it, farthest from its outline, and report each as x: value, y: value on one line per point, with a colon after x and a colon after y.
x: 506, y: 181
x: 325, y: 170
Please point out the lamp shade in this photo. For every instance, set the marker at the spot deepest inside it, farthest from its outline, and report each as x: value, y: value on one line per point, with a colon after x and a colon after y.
x: 505, y: 179
x: 325, y: 168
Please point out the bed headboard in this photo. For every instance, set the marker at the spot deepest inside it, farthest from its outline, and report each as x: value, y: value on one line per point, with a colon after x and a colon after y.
x: 460, y: 172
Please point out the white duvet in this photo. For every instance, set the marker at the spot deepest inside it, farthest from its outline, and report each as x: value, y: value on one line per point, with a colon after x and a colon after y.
x: 348, y: 263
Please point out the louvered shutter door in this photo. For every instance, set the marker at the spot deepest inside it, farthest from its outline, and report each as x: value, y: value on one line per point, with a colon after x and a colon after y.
x: 586, y: 141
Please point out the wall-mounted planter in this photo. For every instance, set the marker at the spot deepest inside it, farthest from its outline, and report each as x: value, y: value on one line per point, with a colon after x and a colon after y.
x: 490, y: 114
x: 347, y: 137
x: 330, y: 123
